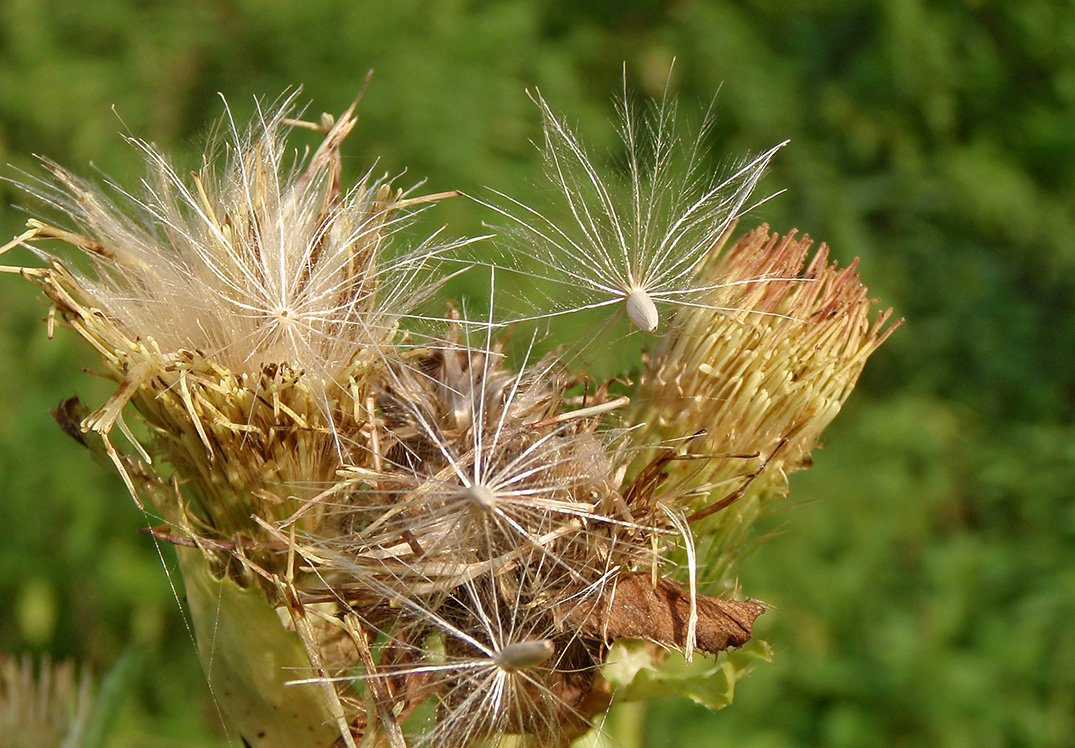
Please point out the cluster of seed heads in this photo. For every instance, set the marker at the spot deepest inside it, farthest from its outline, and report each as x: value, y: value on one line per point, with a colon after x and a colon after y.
x: 449, y: 540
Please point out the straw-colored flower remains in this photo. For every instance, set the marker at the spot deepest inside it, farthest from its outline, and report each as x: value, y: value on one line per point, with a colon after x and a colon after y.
x: 50, y: 704
x: 388, y: 532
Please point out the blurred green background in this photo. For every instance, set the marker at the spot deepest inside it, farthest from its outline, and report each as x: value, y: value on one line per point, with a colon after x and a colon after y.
x: 923, y: 571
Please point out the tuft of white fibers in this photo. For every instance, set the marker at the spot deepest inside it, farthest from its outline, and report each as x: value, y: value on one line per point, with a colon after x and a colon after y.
x: 259, y: 260
x: 494, y: 652
x: 477, y: 465
x: 636, y: 245
x: 479, y: 544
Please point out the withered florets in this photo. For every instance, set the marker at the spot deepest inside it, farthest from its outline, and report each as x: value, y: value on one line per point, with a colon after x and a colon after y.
x: 386, y: 522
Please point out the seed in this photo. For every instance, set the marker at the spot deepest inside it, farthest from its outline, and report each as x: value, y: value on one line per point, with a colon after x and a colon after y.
x: 522, y: 655
x: 482, y: 496
x: 641, y: 310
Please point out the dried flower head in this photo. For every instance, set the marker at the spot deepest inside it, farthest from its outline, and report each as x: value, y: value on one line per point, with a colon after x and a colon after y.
x: 372, y: 521
x: 246, y: 315
x: 235, y: 305
x: 47, y: 706
x: 752, y: 378
x: 259, y: 260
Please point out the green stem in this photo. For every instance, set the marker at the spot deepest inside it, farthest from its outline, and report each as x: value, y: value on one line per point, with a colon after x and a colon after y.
x: 628, y: 728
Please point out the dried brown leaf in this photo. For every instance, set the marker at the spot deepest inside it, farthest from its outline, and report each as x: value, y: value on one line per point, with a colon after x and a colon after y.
x: 637, y: 609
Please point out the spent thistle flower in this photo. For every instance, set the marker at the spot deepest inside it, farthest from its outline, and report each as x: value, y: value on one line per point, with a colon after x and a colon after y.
x: 492, y: 652
x: 47, y: 706
x: 495, y: 458
x: 244, y: 313
x: 265, y: 261
x: 370, y: 520
x: 752, y: 378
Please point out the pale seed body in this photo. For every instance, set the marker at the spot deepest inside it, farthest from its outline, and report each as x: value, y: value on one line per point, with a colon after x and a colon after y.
x: 481, y: 495
x: 521, y: 655
x: 641, y: 310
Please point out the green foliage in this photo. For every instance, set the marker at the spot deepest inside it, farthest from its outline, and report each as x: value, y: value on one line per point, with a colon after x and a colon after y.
x: 639, y: 673
x: 924, y: 579
x: 114, y: 689
x: 249, y: 658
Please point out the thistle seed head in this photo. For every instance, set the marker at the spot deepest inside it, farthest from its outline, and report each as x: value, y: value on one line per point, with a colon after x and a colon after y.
x: 244, y: 310
x: 431, y: 522
x: 263, y: 260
